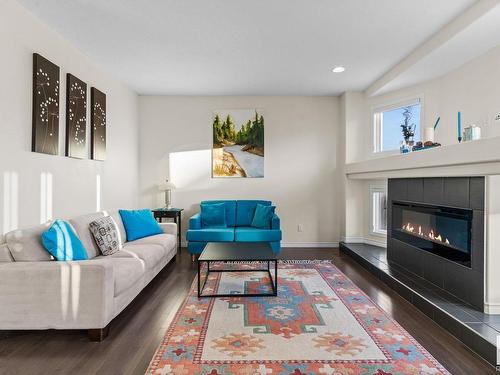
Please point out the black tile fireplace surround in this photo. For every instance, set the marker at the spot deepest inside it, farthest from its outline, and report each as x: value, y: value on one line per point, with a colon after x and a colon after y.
x: 436, y: 231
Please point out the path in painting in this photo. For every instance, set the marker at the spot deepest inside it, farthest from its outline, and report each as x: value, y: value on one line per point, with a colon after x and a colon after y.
x: 251, y: 163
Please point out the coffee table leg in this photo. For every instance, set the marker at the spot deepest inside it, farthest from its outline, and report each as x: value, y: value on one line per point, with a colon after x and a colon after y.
x: 201, y: 286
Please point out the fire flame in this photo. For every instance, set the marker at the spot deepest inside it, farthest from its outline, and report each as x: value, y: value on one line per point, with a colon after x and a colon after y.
x: 431, y: 235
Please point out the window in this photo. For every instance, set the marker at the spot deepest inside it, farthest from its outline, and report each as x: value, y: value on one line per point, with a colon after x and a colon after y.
x: 387, y: 124
x: 378, y: 208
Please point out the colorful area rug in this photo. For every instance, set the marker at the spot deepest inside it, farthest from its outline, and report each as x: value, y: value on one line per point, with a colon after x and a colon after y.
x: 320, y: 323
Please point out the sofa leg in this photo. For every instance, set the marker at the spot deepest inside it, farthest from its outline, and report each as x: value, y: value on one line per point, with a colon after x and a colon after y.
x: 193, y: 258
x: 99, y: 334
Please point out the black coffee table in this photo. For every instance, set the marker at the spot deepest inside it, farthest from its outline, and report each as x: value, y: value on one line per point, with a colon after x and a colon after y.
x: 238, y: 252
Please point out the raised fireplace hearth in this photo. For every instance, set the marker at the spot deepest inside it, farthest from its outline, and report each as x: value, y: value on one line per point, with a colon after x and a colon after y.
x: 436, y: 230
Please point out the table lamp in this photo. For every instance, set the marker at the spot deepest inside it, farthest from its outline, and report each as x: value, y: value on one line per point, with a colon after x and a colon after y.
x: 167, y: 186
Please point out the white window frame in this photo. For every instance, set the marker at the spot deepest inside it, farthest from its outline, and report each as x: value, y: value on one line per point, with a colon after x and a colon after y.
x: 374, y: 217
x: 377, y: 118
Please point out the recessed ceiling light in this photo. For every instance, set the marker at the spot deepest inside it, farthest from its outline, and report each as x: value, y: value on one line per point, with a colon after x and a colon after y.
x: 338, y: 69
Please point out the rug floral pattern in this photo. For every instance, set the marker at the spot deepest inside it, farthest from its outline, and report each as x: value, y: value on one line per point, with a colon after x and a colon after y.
x: 320, y: 323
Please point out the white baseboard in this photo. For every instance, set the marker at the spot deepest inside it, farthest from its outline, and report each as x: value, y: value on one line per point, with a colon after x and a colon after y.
x: 352, y: 239
x: 299, y: 244
x: 381, y: 243
x: 491, y: 308
x: 309, y: 244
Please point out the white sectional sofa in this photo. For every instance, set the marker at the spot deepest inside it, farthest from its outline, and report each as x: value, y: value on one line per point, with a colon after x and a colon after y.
x: 37, y: 292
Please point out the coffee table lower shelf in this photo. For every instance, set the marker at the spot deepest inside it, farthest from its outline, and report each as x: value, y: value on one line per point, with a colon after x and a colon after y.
x: 274, y: 281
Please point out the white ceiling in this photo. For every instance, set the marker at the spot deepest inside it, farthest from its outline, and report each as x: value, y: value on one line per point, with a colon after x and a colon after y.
x: 246, y: 47
x: 470, y: 42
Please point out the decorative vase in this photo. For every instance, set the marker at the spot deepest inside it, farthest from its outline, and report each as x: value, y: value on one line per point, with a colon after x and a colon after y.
x: 404, y: 147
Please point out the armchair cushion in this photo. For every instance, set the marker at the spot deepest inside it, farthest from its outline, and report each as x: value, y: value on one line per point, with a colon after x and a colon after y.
x: 275, y: 222
x: 262, y: 217
x: 211, y: 235
x: 251, y: 234
x: 230, y: 210
x: 195, y: 221
x: 245, y: 210
x: 213, y: 215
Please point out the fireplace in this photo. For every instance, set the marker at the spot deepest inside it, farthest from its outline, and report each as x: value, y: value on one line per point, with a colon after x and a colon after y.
x: 435, y: 229
x: 441, y: 230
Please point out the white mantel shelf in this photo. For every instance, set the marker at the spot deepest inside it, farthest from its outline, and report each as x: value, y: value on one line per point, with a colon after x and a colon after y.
x: 477, y: 158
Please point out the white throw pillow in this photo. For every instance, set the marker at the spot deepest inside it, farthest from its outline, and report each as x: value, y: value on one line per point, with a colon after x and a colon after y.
x: 25, y: 245
x: 105, y: 233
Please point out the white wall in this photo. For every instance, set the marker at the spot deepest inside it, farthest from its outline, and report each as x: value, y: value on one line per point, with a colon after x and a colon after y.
x: 73, y: 181
x: 301, y: 174
x: 473, y: 89
x: 492, y: 255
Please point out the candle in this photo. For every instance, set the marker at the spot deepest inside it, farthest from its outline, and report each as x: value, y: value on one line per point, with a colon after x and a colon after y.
x: 437, y: 123
x: 459, y: 126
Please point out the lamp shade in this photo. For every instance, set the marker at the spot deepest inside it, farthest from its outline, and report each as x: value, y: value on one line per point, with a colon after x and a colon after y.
x: 166, y: 186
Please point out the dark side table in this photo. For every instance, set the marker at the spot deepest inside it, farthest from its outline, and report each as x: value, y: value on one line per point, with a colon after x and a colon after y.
x: 170, y: 213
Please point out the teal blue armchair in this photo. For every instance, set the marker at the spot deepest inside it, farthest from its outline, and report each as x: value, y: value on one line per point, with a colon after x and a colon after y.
x: 239, y: 215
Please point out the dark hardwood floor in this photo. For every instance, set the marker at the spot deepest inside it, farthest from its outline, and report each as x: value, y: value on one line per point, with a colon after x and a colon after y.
x: 137, y: 331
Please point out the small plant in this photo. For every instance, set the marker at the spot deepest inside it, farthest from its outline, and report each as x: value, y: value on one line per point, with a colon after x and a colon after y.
x: 407, y: 127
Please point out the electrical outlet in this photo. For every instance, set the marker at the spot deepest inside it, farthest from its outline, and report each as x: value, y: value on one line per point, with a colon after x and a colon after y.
x: 300, y: 228
x: 497, y: 117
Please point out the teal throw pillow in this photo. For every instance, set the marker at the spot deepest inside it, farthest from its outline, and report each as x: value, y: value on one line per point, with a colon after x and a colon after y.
x: 263, y: 216
x: 139, y: 224
x: 61, y: 241
x: 213, y: 215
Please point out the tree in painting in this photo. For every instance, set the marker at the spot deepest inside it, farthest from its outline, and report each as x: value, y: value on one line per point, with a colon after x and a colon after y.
x: 238, y: 144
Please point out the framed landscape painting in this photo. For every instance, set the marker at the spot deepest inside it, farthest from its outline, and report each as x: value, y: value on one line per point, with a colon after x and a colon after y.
x: 76, y: 117
x: 45, y: 133
x: 238, y: 143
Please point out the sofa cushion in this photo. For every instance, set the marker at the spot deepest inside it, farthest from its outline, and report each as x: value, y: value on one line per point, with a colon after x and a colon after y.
x: 25, y: 245
x: 262, y: 217
x: 119, y: 224
x: 126, y: 271
x: 250, y: 234
x: 230, y: 210
x: 61, y: 241
x: 245, y: 210
x: 168, y: 241
x: 213, y: 215
x: 81, y: 225
x: 139, y: 224
x: 105, y: 234
x: 150, y: 254
x: 211, y: 235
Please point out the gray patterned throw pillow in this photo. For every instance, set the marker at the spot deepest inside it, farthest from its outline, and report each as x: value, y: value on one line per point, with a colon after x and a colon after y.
x: 105, y: 234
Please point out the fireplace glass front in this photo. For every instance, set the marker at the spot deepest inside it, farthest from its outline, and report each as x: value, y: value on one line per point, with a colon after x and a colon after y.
x: 444, y: 231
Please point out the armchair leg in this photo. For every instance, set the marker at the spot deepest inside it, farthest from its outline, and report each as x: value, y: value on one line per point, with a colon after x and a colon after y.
x: 193, y: 258
x: 99, y: 334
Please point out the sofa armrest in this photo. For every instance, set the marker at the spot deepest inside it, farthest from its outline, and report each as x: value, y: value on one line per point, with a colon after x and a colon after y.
x: 195, y: 221
x: 5, y: 255
x: 275, y: 222
x: 169, y: 228
x: 52, y: 294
